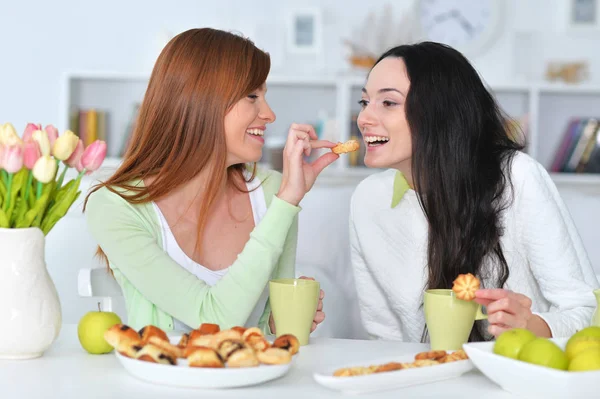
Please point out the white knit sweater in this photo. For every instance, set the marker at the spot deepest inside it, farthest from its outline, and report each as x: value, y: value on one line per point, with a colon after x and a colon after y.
x: 545, y: 255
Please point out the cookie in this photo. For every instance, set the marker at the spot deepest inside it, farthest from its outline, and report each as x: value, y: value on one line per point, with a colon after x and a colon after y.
x: 465, y: 286
x: 348, y: 146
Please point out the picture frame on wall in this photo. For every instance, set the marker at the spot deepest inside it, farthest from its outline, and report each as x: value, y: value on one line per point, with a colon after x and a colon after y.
x: 583, y: 15
x: 304, y: 31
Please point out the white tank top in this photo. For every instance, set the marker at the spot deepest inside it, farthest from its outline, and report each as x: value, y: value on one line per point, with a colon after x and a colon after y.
x: 211, y: 277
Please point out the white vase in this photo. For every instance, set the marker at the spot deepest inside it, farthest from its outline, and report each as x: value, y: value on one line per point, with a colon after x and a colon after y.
x: 30, y: 315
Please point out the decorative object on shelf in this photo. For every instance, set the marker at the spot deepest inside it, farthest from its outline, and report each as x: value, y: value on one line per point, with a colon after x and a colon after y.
x: 378, y: 34
x: 583, y: 15
x: 304, y: 31
x: 33, y: 199
x: 470, y: 26
x: 568, y: 72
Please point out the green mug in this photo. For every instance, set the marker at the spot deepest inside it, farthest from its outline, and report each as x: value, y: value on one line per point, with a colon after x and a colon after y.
x: 449, y: 319
x: 294, y: 304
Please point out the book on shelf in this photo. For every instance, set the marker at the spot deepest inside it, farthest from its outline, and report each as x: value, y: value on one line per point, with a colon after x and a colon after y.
x: 579, y: 149
x: 88, y: 124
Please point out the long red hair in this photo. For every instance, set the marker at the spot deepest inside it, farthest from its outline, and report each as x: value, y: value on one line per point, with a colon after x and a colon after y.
x: 179, y: 132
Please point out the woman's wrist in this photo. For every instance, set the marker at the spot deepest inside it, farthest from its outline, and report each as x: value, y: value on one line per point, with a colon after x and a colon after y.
x: 290, y: 199
x: 539, y: 327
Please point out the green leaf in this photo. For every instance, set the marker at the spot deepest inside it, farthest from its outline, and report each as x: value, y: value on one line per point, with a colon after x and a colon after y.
x: 18, y: 182
x: 38, y: 208
x: 58, y: 212
x: 22, y: 207
x: 64, y: 199
x: 3, y: 219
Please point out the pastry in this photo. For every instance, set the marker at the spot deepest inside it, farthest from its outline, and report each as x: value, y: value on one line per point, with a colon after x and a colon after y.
x: 425, y: 363
x: 225, y: 335
x: 354, y: 371
x: 254, y: 338
x: 118, y: 333
x: 152, y: 331
x: 392, y: 366
x: 274, y: 356
x: 454, y: 357
x: 465, y: 286
x: 228, y: 347
x: 209, y: 328
x: 252, y: 331
x: 129, y: 347
x: 201, y: 340
x: 166, y: 346
x: 431, y: 355
x: 204, y: 357
x: 289, y: 342
x: 241, y: 330
x: 154, y: 354
x: 348, y: 146
x: 242, y: 358
x: 183, y: 341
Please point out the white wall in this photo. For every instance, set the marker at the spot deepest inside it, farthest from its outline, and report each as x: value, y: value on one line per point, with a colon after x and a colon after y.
x: 41, y: 40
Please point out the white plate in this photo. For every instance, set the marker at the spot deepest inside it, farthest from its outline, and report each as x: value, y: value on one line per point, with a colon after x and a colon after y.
x: 193, y: 377
x: 391, y: 379
x: 527, y: 379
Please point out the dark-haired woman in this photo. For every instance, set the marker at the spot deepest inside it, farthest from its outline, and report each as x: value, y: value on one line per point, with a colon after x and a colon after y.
x: 459, y: 197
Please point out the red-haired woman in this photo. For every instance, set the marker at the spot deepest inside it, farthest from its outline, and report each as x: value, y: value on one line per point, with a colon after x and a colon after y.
x: 190, y: 228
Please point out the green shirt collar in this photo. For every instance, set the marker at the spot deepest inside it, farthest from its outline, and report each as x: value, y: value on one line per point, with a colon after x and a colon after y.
x: 400, y: 188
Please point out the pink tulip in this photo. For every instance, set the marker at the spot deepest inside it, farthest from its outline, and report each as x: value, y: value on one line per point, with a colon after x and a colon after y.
x: 93, y: 156
x: 52, y: 134
x: 12, y: 159
x: 31, y: 153
x: 29, y: 129
x: 75, y: 157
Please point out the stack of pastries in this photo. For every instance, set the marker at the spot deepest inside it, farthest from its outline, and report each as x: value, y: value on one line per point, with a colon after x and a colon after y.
x: 206, y: 346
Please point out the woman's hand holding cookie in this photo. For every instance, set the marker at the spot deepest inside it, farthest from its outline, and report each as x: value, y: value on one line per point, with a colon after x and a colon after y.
x: 299, y: 175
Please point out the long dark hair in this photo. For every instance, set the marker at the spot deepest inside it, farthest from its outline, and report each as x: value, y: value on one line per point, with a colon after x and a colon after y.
x: 462, y: 149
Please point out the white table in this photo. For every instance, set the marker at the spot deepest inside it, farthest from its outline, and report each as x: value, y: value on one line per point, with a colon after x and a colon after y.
x: 67, y: 371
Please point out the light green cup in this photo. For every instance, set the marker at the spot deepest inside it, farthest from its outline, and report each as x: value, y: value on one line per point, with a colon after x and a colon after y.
x: 294, y: 303
x: 449, y: 319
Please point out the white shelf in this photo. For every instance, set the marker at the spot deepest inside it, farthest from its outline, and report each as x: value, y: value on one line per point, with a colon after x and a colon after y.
x: 299, y: 98
x: 563, y: 88
x: 580, y: 179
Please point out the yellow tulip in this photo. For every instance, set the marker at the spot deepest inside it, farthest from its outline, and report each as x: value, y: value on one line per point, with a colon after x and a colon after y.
x: 8, y: 135
x: 65, y: 145
x: 44, y: 169
x: 41, y: 137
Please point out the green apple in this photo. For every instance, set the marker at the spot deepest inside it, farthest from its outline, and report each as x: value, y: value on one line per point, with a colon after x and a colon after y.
x: 544, y: 352
x: 580, y: 344
x: 586, y: 360
x: 91, y: 329
x: 586, y: 332
x: 510, y: 342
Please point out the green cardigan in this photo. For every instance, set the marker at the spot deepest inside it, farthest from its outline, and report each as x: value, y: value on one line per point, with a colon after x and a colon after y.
x: 157, y: 289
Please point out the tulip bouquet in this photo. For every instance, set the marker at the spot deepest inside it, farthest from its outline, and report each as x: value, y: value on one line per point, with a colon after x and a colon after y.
x: 32, y: 193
